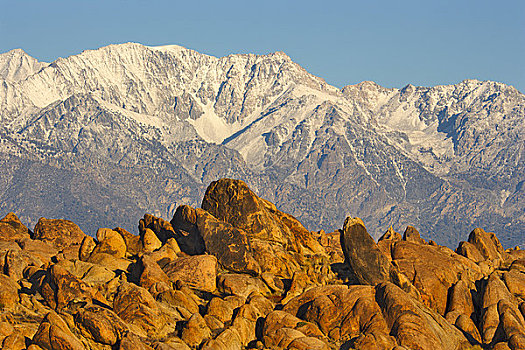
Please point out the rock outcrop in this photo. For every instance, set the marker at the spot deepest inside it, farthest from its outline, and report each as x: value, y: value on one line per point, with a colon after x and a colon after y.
x: 239, y: 274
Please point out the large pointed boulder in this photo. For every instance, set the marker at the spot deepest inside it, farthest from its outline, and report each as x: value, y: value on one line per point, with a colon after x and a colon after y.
x: 251, y: 229
x: 366, y: 260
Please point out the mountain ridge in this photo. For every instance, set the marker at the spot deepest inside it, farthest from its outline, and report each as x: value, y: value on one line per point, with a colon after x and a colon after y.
x: 405, y: 156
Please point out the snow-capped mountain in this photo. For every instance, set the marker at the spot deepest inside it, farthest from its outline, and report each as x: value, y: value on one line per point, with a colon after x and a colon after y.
x: 103, y: 136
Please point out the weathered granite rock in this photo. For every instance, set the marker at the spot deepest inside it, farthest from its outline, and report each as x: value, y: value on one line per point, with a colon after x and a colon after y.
x: 280, y: 319
x: 11, y: 228
x: 223, y: 309
x: 139, y: 310
x: 412, y: 235
x: 8, y: 292
x: 387, y: 241
x: 179, y: 300
x: 241, y: 285
x: 100, y: 324
x: 187, y: 233
x: 132, y: 341
x: 461, y: 310
x: 61, y: 289
x: 470, y: 251
x: 110, y: 242
x: 515, y: 282
x: 54, y: 334
x: 15, y: 341
x: 245, y: 323
x: 86, y: 248
x: 487, y: 244
x: 126, y: 293
x: 150, y: 241
x: 133, y: 244
x: 362, y: 254
x: 38, y: 250
x: 162, y: 228
x: 433, y: 271
x: 273, y: 235
x: 343, y: 313
x: 152, y: 273
x: 198, y: 271
x: 110, y: 262
x: 61, y: 233
x: 229, y: 339
x: 413, y: 325
x: 229, y: 244
x: 195, y: 331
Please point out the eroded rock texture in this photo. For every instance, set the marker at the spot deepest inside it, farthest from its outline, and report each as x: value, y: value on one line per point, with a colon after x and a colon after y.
x: 239, y: 274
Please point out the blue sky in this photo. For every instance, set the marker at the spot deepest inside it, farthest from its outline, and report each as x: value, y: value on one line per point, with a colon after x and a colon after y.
x: 390, y: 42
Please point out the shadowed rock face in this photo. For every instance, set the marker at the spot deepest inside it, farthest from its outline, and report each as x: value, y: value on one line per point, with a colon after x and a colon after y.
x: 362, y: 254
x: 212, y: 280
x: 247, y: 233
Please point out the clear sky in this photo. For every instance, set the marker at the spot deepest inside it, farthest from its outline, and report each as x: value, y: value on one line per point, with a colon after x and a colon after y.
x: 390, y: 42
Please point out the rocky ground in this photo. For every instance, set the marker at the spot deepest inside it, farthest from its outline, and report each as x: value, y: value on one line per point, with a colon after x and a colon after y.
x: 238, y: 273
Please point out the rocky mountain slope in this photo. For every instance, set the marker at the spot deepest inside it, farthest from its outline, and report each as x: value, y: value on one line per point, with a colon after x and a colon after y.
x: 103, y: 136
x: 240, y: 274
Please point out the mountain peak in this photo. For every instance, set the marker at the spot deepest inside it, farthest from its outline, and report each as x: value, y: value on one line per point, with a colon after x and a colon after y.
x: 16, y: 65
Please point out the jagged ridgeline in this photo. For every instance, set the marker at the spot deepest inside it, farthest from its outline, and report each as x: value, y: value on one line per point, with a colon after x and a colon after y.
x: 240, y: 274
x: 103, y: 136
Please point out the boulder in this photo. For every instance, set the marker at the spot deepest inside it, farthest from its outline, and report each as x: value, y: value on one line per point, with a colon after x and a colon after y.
x: 62, y: 289
x: 308, y: 343
x: 501, y: 317
x: 241, y: 285
x: 229, y: 339
x: 150, y: 241
x: 162, y: 228
x: 132, y: 341
x: 179, y: 300
x: 8, y: 292
x: 54, y: 334
x: 100, y: 324
x: 15, y: 341
x: 412, y: 235
x: 487, y: 244
x: 387, y: 241
x: 198, y: 271
x: 343, y: 313
x: 133, y: 244
x: 110, y: 242
x: 245, y: 323
x: 413, y: 325
x: 275, y: 238
x: 195, y: 332
x: 151, y: 273
x: 229, y: 244
x: 469, y: 250
x: 187, y: 233
x: 138, y: 309
x: 38, y: 250
x: 280, y: 319
x: 515, y: 282
x: 369, y: 265
x: 171, y: 344
x: 60, y: 233
x: 86, y: 248
x: 433, y: 270
x: 11, y: 228
x: 461, y: 310
x: 110, y: 262
x: 223, y: 309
